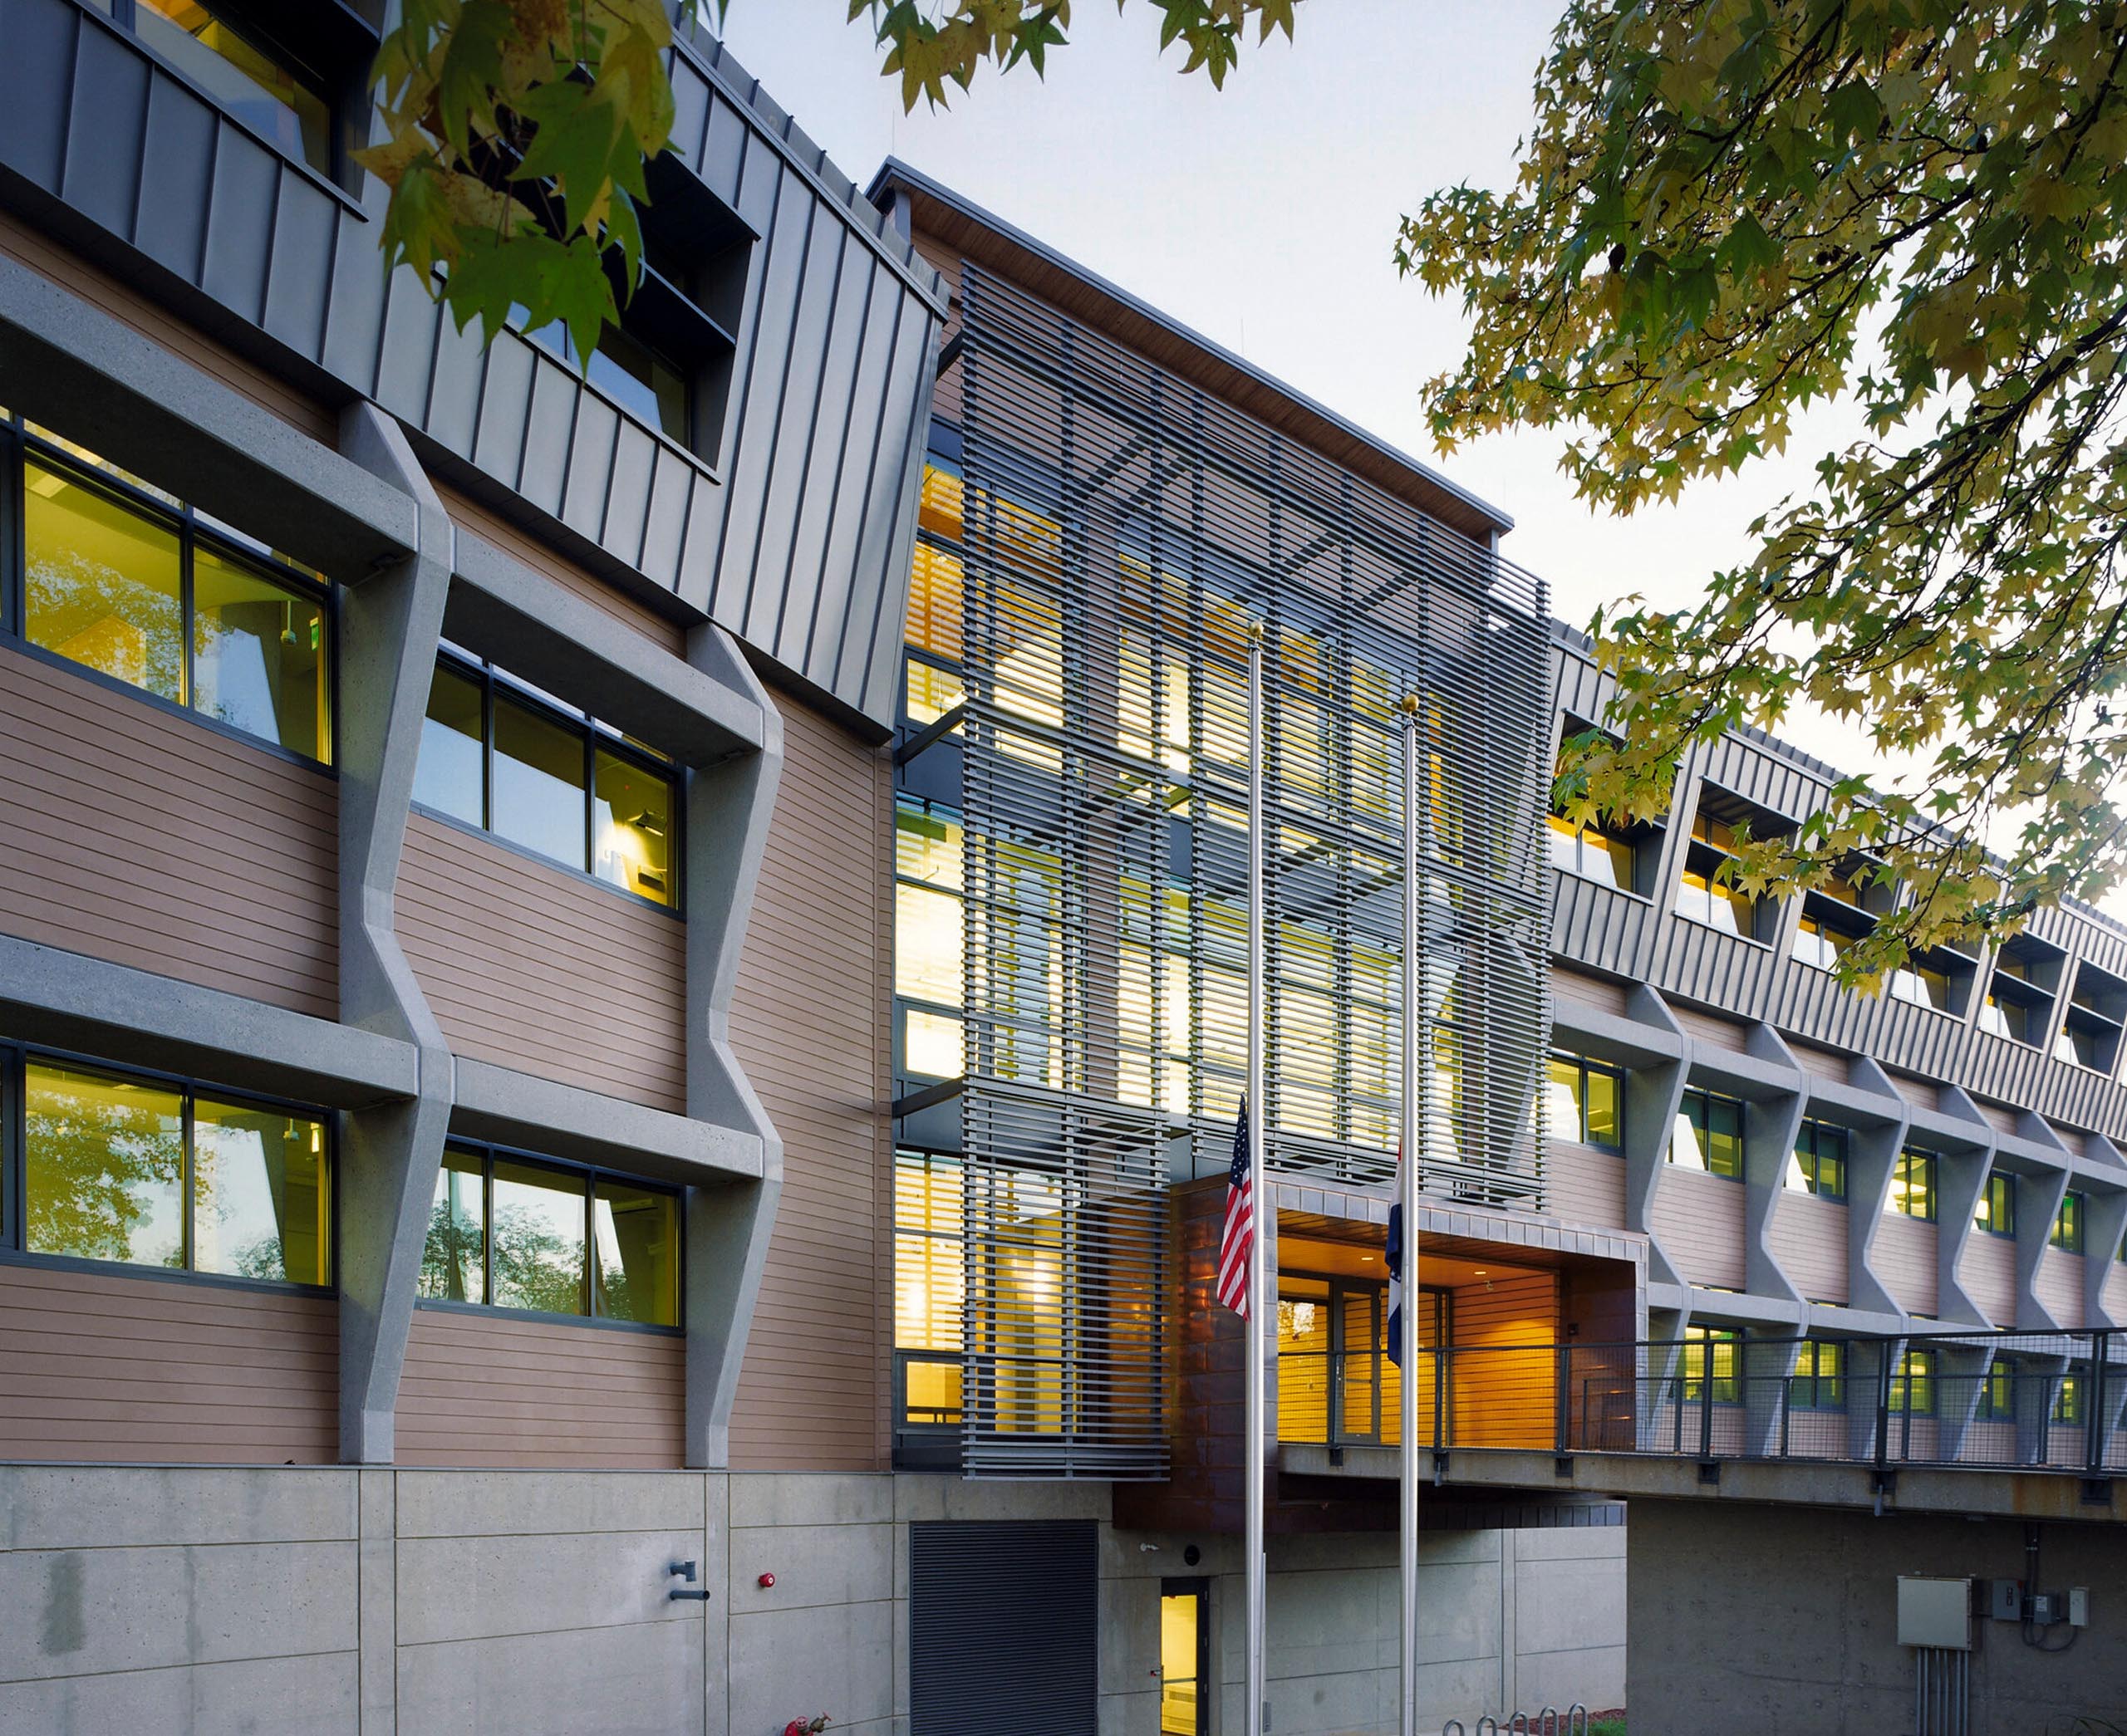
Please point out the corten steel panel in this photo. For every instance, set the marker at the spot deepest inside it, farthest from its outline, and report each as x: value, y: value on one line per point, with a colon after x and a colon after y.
x: 808, y: 1022
x: 484, y: 1387
x: 1809, y: 1240
x: 1584, y: 1186
x: 104, y: 146
x: 532, y: 968
x: 102, y: 1366
x: 140, y: 837
x: 2059, y: 1286
x: 1698, y: 1219
x: 1989, y: 1272
x: 1904, y: 1256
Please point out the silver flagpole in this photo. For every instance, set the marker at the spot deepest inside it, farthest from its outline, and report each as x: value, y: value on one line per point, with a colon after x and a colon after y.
x: 1415, y: 1023
x: 1258, y: 1112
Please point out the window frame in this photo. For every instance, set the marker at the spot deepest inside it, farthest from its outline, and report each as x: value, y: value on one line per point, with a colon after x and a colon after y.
x: 20, y: 445
x: 598, y: 737
x: 1811, y: 1165
x: 1706, y: 1096
x: 1897, y: 1202
x: 15, y: 1058
x: 1707, y: 1380
x: 1918, y: 1368
x: 1586, y: 1065
x: 1989, y: 1193
x: 590, y: 1174
x: 2071, y: 1218
x: 1818, y: 1390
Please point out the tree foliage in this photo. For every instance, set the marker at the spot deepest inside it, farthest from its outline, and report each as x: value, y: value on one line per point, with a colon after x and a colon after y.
x: 516, y: 134
x: 1729, y: 210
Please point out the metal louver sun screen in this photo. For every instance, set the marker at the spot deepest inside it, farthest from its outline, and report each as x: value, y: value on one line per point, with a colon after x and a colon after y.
x: 1122, y: 529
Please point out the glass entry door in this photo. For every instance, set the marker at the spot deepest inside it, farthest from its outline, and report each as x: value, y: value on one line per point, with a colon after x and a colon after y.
x: 1185, y: 1653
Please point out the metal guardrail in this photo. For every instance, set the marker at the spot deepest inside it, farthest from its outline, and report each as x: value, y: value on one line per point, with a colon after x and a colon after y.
x: 2054, y: 1401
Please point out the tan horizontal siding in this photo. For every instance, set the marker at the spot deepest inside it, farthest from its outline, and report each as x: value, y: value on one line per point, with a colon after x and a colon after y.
x: 1920, y: 1092
x: 2059, y: 1286
x: 809, y: 1023
x: 499, y: 533
x: 21, y: 242
x: 1584, y: 1186
x: 1823, y: 1063
x: 144, y: 838
x: 1597, y: 991
x: 106, y: 1366
x: 532, y: 968
x: 1703, y: 1027
x: 2116, y: 1292
x: 1809, y: 1239
x: 2000, y: 1117
x: 1699, y: 1220
x: 1903, y: 1257
x: 1988, y: 1270
x: 489, y: 1388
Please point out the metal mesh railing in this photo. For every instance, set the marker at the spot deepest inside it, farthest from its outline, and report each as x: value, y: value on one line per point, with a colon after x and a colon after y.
x: 2053, y: 1401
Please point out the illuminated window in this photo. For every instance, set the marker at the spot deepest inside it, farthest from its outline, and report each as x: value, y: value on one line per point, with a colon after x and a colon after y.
x: 1610, y: 859
x: 220, y: 49
x: 2068, y: 1400
x: 2067, y: 1232
x: 1913, y: 1385
x: 122, y: 1168
x: 1712, y: 1354
x: 1819, y: 1378
x: 1708, y: 1134
x: 1702, y: 894
x: 1996, y: 1213
x: 928, y: 938
x: 497, y: 755
x: 508, y: 1231
x: 1920, y: 984
x: 119, y: 579
x: 1818, y: 943
x: 1998, y: 1396
x: 1185, y: 1657
x: 1818, y: 1164
x: 1587, y: 1102
x: 1912, y: 1184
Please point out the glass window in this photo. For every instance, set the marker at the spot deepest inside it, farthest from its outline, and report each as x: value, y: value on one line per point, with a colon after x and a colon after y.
x: 1711, y: 1352
x: 1816, y: 943
x: 536, y: 1257
x: 103, y: 1166
x: 1819, y: 1382
x: 234, y: 67
x: 637, y: 1266
x: 538, y: 782
x: 450, y: 774
x: 1586, y: 1101
x: 1913, y: 1385
x: 1182, y: 1635
x: 125, y: 1169
x: 103, y: 584
x: 930, y: 1284
x: 2067, y: 1233
x: 1708, y: 1134
x: 454, y: 1257
x: 1818, y: 1164
x: 260, y: 656
x: 1922, y: 985
x: 1998, y: 1399
x: 1912, y: 1184
x: 2068, y: 1400
x: 631, y: 814
x: 1996, y: 1211
x: 262, y: 1200
x: 635, y: 376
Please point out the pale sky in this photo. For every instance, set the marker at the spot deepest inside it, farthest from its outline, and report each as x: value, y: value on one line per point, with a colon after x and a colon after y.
x: 1264, y: 217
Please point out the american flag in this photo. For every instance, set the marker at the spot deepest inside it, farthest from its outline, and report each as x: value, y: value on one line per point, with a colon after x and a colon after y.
x: 1234, y: 1246
x: 1395, y: 1252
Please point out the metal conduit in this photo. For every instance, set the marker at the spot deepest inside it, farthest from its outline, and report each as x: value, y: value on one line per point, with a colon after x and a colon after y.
x: 1120, y: 532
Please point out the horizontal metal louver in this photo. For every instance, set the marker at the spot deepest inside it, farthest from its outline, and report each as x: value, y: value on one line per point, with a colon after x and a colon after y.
x: 1004, y: 1625
x: 1121, y: 533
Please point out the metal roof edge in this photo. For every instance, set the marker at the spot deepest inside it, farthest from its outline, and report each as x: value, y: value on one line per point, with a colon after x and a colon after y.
x: 894, y: 172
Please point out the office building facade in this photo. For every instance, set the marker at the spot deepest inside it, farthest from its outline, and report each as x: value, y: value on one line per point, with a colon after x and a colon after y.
x: 621, y: 993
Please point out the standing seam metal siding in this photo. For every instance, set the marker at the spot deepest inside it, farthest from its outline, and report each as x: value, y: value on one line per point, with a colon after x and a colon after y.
x: 142, y: 837
x: 150, y: 175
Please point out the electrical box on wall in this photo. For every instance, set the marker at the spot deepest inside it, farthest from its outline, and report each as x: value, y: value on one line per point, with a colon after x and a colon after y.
x: 1934, y: 1612
x: 2005, y: 1599
x: 2079, y: 1606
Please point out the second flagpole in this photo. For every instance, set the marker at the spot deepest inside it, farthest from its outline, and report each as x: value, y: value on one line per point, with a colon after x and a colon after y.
x: 1415, y: 1023
x: 1260, y: 1294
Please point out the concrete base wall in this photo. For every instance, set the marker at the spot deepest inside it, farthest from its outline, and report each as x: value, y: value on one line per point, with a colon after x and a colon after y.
x: 1783, y: 1621
x: 194, y: 1601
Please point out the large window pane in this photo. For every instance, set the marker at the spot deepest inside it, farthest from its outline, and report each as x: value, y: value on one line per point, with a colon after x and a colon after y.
x: 632, y: 812
x: 538, y: 793
x: 638, y: 1234
x: 259, y: 655
x: 241, y: 74
x: 454, y: 1259
x: 538, y: 1253
x: 927, y: 945
x: 261, y: 1204
x: 101, y: 584
x: 103, y: 1166
x: 448, y: 775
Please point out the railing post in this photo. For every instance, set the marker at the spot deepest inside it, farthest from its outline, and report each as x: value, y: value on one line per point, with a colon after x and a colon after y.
x: 1883, y: 1360
x: 1440, y: 1385
x: 1706, y: 1399
x: 1565, y: 1401
x: 2094, y: 1423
